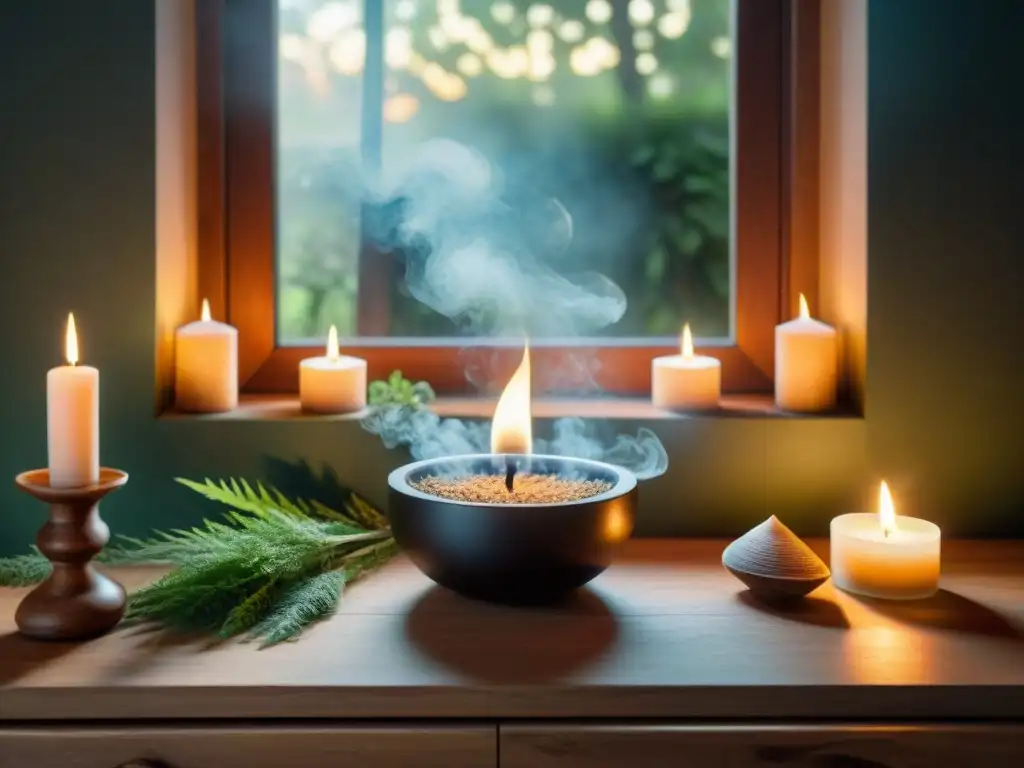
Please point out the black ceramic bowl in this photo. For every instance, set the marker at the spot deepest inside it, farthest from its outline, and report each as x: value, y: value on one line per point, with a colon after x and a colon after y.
x: 511, y: 553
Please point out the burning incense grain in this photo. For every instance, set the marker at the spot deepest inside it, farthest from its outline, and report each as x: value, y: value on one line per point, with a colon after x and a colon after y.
x: 528, y: 489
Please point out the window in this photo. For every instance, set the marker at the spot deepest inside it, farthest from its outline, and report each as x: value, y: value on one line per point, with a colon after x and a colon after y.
x: 438, y: 178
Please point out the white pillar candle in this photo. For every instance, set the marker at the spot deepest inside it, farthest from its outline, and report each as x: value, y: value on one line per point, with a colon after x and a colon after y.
x: 686, y: 381
x: 885, y: 556
x: 334, y: 383
x: 73, y: 419
x: 206, y: 366
x: 806, y: 363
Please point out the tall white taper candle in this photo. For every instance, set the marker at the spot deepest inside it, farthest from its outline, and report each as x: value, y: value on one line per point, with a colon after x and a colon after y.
x: 73, y: 418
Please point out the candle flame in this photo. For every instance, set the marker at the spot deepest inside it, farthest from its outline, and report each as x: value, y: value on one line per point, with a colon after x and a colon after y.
x: 511, y: 430
x: 687, y: 341
x: 332, y: 343
x: 71, y: 341
x: 205, y: 315
x: 886, y: 509
x: 805, y: 313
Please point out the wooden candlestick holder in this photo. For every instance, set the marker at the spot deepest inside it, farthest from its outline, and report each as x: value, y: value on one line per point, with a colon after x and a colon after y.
x: 74, y: 602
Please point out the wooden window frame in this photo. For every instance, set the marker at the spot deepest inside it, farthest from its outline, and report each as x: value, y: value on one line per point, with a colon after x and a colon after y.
x: 774, y: 193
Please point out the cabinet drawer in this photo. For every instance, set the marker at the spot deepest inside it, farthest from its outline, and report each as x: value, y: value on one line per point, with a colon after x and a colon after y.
x: 861, y: 746
x: 249, y: 747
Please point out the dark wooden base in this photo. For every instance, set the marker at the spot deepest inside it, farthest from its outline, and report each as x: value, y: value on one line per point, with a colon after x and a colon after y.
x: 51, y: 612
x: 74, y: 602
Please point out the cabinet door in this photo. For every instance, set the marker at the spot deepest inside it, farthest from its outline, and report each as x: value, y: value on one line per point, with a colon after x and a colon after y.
x: 669, y: 746
x: 248, y: 747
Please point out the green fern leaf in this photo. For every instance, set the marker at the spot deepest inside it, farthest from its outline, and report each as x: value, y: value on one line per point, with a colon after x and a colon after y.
x: 250, y: 611
x: 24, y: 570
x: 359, y: 563
x: 343, y: 529
x: 364, y: 513
x: 306, y: 602
x: 210, y: 583
x: 277, y: 499
x: 323, y: 512
x: 224, y: 494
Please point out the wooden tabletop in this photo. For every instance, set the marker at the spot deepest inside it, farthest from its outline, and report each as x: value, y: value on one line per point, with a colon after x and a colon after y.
x: 665, y: 633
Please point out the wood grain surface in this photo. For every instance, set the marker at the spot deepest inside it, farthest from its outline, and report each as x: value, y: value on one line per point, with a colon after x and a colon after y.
x: 665, y: 633
x: 249, y: 747
x: 651, y: 746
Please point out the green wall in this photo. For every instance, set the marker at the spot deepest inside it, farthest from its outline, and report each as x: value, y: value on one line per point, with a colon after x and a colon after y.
x: 946, y: 333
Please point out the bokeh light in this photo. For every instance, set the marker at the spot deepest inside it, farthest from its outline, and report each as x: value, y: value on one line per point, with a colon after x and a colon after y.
x: 540, y: 15
x: 641, y: 12
x: 400, y: 108
x: 328, y: 21
x: 674, y: 25
x: 599, y: 11
x: 469, y: 64
x: 348, y: 52
x: 571, y: 31
x: 660, y: 86
x: 503, y: 13
x: 646, y: 64
x: 643, y: 40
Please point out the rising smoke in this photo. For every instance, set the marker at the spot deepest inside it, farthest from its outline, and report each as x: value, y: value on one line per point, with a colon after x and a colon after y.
x: 488, y: 265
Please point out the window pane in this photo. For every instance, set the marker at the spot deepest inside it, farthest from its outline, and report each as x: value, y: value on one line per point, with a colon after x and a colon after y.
x: 527, y: 149
x: 320, y: 64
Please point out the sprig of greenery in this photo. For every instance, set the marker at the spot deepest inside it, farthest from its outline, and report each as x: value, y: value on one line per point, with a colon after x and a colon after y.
x: 24, y: 570
x: 399, y: 391
x: 299, y: 606
x: 269, y: 568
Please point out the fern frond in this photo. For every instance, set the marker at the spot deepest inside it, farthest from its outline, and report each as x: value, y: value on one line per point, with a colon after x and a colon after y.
x: 274, y: 497
x: 323, y: 512
x: 24, y: 570
x: 250, y: 611
x: 208, y: 585
x: 264, y: 500
x: 193, y: 601
x: 364, y: 513
x: 359, y: 563
x: 343, y: 529
x: 306, y: 602
x: 239, y: 495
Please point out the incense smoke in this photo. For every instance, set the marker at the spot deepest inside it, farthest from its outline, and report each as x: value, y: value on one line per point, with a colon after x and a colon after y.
x: 486, y: 257
x: 428, y: 436
x: 472, y: 256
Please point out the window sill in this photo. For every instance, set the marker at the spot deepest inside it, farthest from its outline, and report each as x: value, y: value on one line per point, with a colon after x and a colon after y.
x: 286, y: 408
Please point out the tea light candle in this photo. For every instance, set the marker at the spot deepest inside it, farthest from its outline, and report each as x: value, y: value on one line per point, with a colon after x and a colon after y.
x: 877, y: 556
x: 334, y: 383
x: 73, y: 419
x: 686, y: 381
x: 806, y: 363
x: 206, y: 366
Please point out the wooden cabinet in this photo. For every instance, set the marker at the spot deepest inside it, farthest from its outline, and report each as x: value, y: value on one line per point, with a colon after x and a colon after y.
x: 673, y: 746
x: 266, y: 746
x: 516, y: 746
